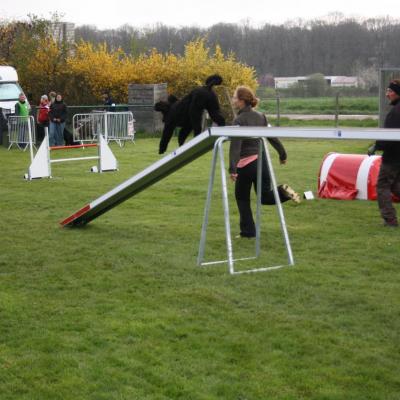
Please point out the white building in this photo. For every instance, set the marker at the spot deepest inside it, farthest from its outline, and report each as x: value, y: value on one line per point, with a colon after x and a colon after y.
x: 63, y: 32
x: 342, y: 81
x: 334, y: 81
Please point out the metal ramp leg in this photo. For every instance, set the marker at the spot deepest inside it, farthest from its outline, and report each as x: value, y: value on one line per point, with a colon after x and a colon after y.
x: 218, y: 149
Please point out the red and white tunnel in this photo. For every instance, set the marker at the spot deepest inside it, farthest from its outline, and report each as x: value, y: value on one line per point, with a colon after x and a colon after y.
x: 348, y: 176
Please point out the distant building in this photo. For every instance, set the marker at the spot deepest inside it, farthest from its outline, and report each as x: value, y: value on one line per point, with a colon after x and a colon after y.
x: 63, y: 32
x: 342, y: 81
x: 334, y: 81
x: 286, y: 82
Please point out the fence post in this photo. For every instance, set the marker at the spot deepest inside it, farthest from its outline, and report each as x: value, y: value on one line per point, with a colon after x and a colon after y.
x: 336, y: 110
x: 278, y: 111
x: 106, y: 126
x: 31, y: 121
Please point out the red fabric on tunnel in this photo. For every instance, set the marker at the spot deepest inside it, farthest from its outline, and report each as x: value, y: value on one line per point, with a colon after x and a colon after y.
x: 342, y: 177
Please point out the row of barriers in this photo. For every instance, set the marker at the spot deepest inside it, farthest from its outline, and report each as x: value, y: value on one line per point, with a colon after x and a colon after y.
x: 21, y: 132
x: 113, y: 126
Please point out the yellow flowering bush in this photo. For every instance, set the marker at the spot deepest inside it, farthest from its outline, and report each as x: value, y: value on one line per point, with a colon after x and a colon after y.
x: 86, y: 71
x: 94, y: 70
x: 44, y: 70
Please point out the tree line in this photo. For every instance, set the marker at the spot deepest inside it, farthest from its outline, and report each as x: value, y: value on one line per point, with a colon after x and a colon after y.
x: 83, y: 71
x: 335, y: 45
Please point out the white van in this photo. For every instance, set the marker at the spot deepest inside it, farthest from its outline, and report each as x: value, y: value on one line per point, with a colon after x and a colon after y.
x: 9, y: 89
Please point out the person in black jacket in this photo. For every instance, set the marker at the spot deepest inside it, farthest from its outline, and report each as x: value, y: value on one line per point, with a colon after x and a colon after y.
x: 187, y: 113
x: 243, y: 155
x: 389, y: 173
x: 57, y: 116
x: 109, y: 102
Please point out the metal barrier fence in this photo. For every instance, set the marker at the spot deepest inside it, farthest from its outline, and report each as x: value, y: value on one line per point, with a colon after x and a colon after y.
x: 21, y: 131
x: 115, y: 126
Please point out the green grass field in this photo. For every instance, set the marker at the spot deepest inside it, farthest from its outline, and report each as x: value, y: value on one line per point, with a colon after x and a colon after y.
x: 119, y: 309
x: 322, y: 105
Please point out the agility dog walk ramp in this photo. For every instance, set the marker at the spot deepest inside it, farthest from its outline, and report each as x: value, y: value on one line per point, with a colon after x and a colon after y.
x: 201, y: 144
x: 167, y: 165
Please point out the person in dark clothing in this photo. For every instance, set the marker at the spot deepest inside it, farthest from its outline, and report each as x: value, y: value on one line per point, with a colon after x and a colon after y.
x: 243, y: 155
x: 42, y: 117
x: 187, y: 113
x: 109, y: 102
x: 389, y: 173
x: 57, y: 116
x: 3, y: 125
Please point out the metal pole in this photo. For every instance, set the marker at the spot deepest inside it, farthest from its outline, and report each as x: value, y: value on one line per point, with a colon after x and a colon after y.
x: 99, y: 163
x: 226, y: 208
x: 46, y: 138
x: 105, y: 127
x: 259, y: 191
x: 278, y: 110
x: 203, y: 236
x: 278, y: 203
x: 74, y: 159
x: 336, y: 110
x: 30, y: 137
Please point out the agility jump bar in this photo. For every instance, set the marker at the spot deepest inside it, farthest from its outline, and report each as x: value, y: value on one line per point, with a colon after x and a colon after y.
x: 307, y: 133
x: 73, y: 146
x: 202, y: 144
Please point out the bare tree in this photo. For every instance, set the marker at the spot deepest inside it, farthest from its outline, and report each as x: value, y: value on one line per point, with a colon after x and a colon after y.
x: 333, y: 45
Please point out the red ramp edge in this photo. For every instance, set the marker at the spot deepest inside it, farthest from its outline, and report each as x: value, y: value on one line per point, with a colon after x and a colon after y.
x: 76, y: 215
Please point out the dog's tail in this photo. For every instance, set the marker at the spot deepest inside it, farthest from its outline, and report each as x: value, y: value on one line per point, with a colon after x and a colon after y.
x: 213, y: 80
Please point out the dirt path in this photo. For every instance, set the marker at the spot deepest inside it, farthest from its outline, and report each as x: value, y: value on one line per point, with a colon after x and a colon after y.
x: 330, y: 117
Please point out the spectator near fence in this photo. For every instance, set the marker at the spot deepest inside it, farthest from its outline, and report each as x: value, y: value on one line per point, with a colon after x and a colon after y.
x: 109, y: 102
x: 52, y: 97
x: 3, y: 126
x: 22, y: 109
x: 389, y: 173
x: 22, y: 106
x: 57, y: 115
x: 42, y: 117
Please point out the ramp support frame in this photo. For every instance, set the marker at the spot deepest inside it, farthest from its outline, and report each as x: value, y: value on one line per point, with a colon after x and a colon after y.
x: 219, y: 150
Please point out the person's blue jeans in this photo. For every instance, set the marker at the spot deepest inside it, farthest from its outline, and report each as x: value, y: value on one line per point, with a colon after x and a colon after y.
x: 56, y: 134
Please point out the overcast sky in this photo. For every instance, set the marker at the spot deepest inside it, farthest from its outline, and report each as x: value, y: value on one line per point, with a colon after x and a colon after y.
x: 114, y: 13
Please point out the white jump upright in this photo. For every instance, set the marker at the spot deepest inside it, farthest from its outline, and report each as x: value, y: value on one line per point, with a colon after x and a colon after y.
x: 218, y: 150
x: 41, y: 164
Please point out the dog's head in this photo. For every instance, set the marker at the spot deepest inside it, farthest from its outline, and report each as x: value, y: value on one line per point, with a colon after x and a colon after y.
x: 214, y: 80
x: 163, y: 107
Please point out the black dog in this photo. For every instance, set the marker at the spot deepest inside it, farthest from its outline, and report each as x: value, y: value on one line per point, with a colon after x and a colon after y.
x: 187, y: 112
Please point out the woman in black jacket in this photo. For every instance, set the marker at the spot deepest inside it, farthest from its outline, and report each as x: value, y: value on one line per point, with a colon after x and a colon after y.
x: 243, y: 154
x: 57, y: 116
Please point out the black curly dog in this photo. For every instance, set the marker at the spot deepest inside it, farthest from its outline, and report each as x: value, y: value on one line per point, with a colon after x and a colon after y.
x: 187, y: 112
